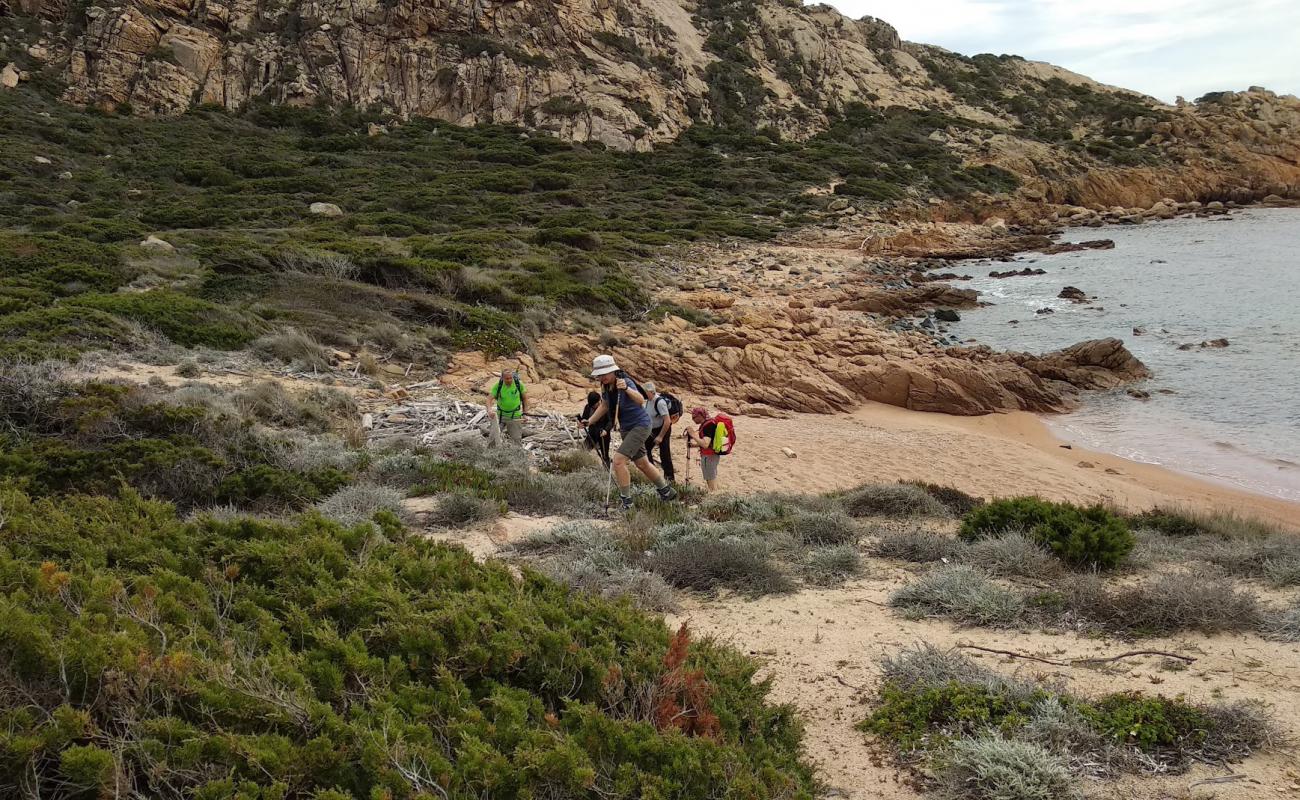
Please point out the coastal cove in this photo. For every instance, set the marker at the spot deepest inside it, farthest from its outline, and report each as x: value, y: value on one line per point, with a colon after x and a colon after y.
x: 1174, y: 291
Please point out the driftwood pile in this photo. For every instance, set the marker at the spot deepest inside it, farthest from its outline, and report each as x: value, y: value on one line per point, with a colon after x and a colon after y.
x: 433, y: 418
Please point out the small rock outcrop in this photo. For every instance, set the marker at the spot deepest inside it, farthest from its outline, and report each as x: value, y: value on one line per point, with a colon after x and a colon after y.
x: 325, y: 209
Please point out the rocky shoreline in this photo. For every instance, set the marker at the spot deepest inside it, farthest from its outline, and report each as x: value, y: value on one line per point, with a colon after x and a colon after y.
x: 812, y: 326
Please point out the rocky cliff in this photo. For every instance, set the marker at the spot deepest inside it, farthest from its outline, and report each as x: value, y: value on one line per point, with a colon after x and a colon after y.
x: 632, y: 73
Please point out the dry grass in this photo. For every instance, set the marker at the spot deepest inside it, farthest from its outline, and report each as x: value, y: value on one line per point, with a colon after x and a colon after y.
x: 891, y: 500
x: 918, y: 545
x: 355, y: 504
x: 963, y: 593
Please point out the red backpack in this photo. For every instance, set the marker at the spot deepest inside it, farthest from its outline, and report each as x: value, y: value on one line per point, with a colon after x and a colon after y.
x: 730, y: 426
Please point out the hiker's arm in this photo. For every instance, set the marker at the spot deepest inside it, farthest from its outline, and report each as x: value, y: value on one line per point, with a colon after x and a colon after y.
x: 523, y: 399
x: 668, y: 429
x: 595, y: 415
x: 634, y: 395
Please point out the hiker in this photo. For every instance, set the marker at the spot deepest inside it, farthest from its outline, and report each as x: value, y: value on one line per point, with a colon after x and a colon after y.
x: 510, y: 403
x: 624, y: 403
x: 597, y: 435
x: 658, y: 408
x: 715, y: 438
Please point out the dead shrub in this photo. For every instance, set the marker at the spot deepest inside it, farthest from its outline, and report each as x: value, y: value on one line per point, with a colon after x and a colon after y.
x: 962, y: 593
x: 917, y: 545
x: 293, y: 347
x: 355, y: 504
x: 891, y: 500
x: 1012, y: 554
x: 828, y: 566
x: 708, y: 564
x: 459, y: 510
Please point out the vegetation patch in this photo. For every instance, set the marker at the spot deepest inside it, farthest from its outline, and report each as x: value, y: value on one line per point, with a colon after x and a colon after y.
x: 1087, y: 538
x: 973, y: 725
x: 311, y: 658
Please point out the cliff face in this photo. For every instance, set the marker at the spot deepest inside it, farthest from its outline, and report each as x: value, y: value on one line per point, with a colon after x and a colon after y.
x: 632, y: 73
x: 623, y: 72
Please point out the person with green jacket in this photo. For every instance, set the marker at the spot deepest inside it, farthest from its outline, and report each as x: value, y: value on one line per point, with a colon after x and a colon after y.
x: 510, y: 403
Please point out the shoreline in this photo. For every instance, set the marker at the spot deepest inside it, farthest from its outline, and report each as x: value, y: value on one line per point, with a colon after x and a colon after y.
x: 995, y: 455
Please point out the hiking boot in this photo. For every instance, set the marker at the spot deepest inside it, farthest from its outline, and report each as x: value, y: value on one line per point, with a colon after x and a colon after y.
x: 627, y: 503
x: 667, y: 493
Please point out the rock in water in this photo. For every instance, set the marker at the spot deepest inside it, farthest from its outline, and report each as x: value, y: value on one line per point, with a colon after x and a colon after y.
x: 947, y: 315
x: 326, y: 209
x: 1073, y: 294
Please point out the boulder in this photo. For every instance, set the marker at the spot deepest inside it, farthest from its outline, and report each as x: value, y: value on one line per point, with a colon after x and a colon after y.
x: 42, y: 160
x: 947, y: 315
x: 9, y: 76
x: 1071, y: 247
x: 837, y: 204
x: 325, y: 209
x: 158, y: 245
x: 1073, y: 294
x: 711, y: 300
x: 1273, y: 198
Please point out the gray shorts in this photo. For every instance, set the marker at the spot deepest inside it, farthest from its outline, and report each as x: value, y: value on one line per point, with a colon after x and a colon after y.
x: 633, y: 444
x: 709, y: 466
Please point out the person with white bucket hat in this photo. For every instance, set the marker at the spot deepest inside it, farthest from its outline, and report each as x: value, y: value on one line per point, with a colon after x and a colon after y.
x: 621, y: 397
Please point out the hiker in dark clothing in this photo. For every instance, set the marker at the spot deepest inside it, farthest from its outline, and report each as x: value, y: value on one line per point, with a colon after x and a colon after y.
x: 598, y: 434
x: 661, y: 430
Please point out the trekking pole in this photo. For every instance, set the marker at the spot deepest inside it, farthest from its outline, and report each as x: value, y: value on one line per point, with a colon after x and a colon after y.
x: 687, y: 436
x: 609, y: 484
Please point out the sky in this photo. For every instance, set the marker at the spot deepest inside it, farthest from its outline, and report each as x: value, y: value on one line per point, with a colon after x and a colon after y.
x: 1163, y: 48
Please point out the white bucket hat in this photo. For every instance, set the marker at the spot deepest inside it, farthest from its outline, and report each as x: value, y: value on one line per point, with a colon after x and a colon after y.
x: 603, y: 365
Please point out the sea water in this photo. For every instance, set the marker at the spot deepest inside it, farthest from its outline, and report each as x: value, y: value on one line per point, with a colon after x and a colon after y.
x: 1230, y: 414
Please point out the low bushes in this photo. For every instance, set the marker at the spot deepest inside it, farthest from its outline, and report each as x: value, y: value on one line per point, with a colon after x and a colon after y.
x: 919, y: 545
x: 360, y: 503
x: 975, y: 725
x: 962, y: 593
x: 1090, y: 538
x: 891, y: 500
x: 1011, y: 554
x: 186, y: 320
x: 1158, y: 606
x: 356, y: 662
x: 991, y: 767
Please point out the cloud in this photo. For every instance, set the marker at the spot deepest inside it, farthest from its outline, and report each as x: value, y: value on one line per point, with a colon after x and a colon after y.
x: 1161, y: 47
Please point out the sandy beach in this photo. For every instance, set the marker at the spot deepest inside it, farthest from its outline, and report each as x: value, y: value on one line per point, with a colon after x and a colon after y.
x: 991, y: 456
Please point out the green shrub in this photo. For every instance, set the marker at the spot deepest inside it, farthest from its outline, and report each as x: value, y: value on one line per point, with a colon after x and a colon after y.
x: 247, y: 641
x: 1091, y: 538
x: 1167, y: 521
x: 1149, y: 723
x: 185, y: 320
x: 436, y: 477
x: 932, y: 704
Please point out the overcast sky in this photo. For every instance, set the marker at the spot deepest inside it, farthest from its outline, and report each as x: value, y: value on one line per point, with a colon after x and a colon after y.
x: 1164, y: 48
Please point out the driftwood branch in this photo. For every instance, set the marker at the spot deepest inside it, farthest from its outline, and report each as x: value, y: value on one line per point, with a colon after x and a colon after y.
x: 1074, y: 662
x: 843, y: 682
